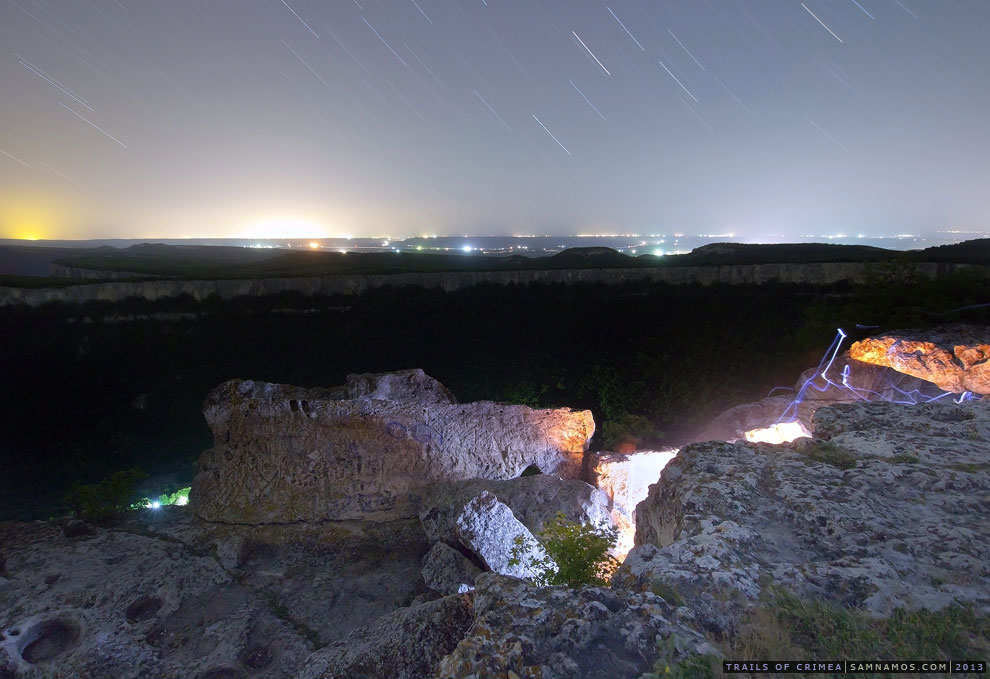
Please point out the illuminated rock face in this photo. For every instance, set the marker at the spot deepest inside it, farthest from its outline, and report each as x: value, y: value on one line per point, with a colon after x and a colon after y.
x: 956, y: 358
x: 887, y: 508
x: 626, y: 480
x: 366, y: 450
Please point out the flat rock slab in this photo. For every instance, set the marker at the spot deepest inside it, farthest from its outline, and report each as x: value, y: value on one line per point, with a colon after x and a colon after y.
x: 488, y: 528
x: 367, y: 450
x: 907, y: 526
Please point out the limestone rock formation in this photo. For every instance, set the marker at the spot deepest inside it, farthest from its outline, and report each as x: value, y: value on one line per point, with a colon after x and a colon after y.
x: 954, y: 357
x: 447, y: 571
x: 561, y: 633
x: 366, y: 450
x: 534, y: 500
x: 890, y: 512
x: 625, y: 478
x: 406, y: 644
x: 488, y: 528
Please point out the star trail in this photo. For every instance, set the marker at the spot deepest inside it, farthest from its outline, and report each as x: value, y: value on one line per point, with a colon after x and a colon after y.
x: 765, y: 118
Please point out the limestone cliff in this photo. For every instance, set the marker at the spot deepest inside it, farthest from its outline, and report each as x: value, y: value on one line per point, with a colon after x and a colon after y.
x: 818, y: 274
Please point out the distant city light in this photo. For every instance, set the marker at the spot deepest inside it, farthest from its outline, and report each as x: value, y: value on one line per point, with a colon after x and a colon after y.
x: 658, y: 252
x: 314, y: 245
x: 466, y: 248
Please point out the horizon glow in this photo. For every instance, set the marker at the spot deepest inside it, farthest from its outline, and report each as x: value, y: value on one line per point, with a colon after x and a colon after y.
x: 761, y: 120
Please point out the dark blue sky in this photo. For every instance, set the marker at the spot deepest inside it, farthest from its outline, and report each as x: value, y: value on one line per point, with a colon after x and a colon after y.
x: 764, y: 118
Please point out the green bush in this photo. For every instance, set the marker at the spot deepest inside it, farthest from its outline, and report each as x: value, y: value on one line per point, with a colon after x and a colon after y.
x: 579, y: 554
x: 107, y: 500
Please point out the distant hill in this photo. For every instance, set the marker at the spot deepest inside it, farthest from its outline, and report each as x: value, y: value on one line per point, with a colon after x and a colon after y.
x: 227, y: 262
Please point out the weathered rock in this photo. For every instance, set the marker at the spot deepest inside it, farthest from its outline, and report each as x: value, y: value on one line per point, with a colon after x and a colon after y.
x: 366, y: 450
x: 906, y: 527
x: 534, y: 500
x: 559, y: 633
x: 132, y: 606
x: 625, y: 478
x: 447, y: 571
x: 407, y: 644
x: 488, y: 528
x: 954, y: 357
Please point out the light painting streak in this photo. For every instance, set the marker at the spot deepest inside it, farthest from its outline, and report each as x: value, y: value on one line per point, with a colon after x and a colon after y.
x: 590, y: 52
x: 92, y: 124
x: 15, y: 158
x: 678, y: 81
x: 492, y: 110
x: 625, y: 29
x: 37, y: 71
x: 300, y: 19
x: 587, y: 100
x: 686, y: 50
x: 551, y: 134
x: 823, y: 23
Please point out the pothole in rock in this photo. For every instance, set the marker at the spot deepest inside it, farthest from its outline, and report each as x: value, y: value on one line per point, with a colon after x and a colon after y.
x: 48, y: 639
x: 143, y: 608
x: 257, y: 657
x: 222, y: 673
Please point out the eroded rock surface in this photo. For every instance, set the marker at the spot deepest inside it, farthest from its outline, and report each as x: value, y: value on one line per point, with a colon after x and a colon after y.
x: 366, y: 450
x: 534, y: 500
x: 168, y: 595
x: 954, y: 357
x: 561, y: 633
x: 906, y: 526
x: 406, y: 644
x: 447, y: 571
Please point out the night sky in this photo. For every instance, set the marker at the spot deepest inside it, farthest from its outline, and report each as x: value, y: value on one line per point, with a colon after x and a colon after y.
x: 254, y: 118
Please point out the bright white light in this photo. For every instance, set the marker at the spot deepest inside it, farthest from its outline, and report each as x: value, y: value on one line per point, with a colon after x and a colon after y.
x: 466, y: 248
x: 658, y: 252
x: 314, y: 245
x: 183, y: 500
x: 155, y: 504
x: 782, y: 432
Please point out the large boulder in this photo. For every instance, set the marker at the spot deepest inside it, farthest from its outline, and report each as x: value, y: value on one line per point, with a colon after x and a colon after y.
x: 560, y: 633
x: 534, y: 500
x: 954, y: 357
x: 366, y: 450
x: 447, y: 571
x: 488, y: 528
x: 406, y: 644
x: 891, y: 512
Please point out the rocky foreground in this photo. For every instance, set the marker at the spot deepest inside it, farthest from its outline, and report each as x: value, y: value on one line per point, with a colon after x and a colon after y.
x: 887, y: 506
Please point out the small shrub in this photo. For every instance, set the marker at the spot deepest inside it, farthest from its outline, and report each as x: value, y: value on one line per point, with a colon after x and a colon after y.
x: 107, y: 500
x: 579, y: 554
x: 831, y: 454
x: 903, y: 459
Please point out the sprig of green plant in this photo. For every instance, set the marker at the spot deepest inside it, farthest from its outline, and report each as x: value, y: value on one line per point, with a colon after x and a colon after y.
x: 577, y: 554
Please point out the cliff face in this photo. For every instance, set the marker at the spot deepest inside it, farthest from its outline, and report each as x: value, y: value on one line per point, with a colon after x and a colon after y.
x: 349, y: 284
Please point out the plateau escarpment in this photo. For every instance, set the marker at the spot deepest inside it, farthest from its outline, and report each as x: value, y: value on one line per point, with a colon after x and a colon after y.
x: 115, y: 291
